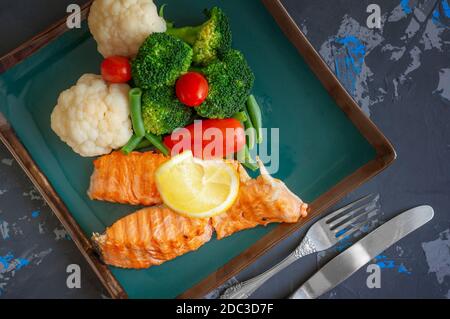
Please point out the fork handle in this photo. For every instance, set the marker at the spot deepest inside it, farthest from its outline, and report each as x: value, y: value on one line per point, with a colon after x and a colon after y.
x: 245, y: 289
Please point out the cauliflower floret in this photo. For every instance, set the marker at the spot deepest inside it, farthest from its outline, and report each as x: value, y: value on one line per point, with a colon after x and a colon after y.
x: 93, y: 117
x: 121, y: 26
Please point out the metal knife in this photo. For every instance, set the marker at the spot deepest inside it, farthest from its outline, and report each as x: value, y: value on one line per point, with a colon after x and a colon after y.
x: 348, y: 262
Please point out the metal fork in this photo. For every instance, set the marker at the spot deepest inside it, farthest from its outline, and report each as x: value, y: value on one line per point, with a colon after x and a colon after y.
x: 323, y: 235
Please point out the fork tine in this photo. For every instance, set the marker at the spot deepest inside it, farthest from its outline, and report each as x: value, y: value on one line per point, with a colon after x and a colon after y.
x: 355, y: 212
x: 349, y: 206
x: 330, y: 218
x: 368, y: 212
x: 359, y: 226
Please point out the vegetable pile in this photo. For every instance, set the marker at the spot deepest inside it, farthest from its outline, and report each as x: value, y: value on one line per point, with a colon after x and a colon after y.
x: 193, y: 73
x: 175, y: 80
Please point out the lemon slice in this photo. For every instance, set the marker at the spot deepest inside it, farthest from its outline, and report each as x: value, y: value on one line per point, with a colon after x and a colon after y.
x: 197, y: 188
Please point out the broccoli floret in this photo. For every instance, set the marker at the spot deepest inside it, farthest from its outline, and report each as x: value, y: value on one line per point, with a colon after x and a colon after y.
x: 160, y: 61
x: 230, y: 82
x: 162, y: 112
x: 209, y: 40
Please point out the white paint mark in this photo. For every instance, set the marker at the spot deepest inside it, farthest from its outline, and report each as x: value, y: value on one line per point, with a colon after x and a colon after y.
x: 400, y: 251
x: 411, y: 30
x: 332, y: 294
x: 60, y: 233
x: 4, y: 229
x: 432, y: 36
x: 39, y: 257
x: 437, y: 253
x: 16, y: 230
x: 397, y: 52
x: 33, y: 194
x: 3, y: 191
x: 397, y: 14
x: 395, y: 82
x: 8, y: 161
x: 414, y: 65
x: 444, y: 84
x: 41, y: 228
x: 304, y: 27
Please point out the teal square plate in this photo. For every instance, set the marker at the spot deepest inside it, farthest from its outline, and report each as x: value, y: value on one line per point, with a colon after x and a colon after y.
x: 327, y: 146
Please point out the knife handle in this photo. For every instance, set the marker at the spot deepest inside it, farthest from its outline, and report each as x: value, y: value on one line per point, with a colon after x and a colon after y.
x: 245, y: 289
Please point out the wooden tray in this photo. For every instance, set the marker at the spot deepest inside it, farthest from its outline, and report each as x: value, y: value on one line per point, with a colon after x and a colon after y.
x: 328, y: 147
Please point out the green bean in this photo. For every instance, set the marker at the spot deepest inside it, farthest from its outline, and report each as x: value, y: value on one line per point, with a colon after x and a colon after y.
x: 155, y: 140
x: 136, y: 112
x: 144, y: 144
x: 250, y: 131
x: 132, y: 144
x: 254, y: 111
x: 161, y: 10
x: 245, y: 159
x: 241, y: 116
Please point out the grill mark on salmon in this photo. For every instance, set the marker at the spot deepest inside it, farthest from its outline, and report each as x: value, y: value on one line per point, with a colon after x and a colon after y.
x: 260, y: 202
x: 126, y: 179
x: 125, y: 244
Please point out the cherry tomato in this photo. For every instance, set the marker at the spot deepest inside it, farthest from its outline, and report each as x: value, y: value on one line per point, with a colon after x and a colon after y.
x: 192, y: 89
x: 116, y: 69
x: 208, y: 138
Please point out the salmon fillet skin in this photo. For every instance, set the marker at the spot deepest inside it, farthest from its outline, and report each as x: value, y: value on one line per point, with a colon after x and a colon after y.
x: 126, y: 179
x: 150, y: 237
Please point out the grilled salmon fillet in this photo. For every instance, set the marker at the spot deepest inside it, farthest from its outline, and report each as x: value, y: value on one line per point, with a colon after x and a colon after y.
x: 156, y: 234
x: 261, y: 201
x: 130, y: 179
x: 126, y: 179
x: 151, y: 236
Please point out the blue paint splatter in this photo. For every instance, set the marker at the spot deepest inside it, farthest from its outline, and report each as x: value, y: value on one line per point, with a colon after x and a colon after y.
x: 5, y: 260
x: 446, y: 8
x: 35, y: 214
x: 349, y: 59
x: 9, y: 260
x: 402, y: 269
x: 442, y: 12
x: 384, y: 263
x: 21, y: 262
x: 405, y: 6
x: 387, y: 264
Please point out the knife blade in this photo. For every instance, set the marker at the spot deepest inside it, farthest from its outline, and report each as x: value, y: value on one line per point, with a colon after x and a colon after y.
x: 349, y: 261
